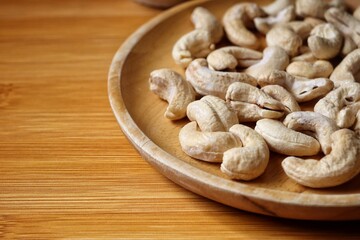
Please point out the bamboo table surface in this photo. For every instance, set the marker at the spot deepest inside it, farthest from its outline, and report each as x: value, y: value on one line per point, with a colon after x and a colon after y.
x: 66, y: 169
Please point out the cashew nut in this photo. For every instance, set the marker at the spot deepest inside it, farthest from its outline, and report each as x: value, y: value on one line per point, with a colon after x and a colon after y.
x: 284, y: 37
x: 206, y: 146
x: 341, y: 104
x: 282, y: 95
x: 303, y: 89
x: 341, y: 165
x: 231, y: 57
x: 251, y: 104
x: 357, y: 123
x: 305, y: 57
x: 348, y: 70
x: 356, y: 13
x: 346, y: 23
x: 286, y: 15
x: 212, y: 114
x: 274, y: 58
x: 321, y: 126
x: 209, y: 82
x: 247, y: 162
x: 195, y: 44
x: 319, y: 68
x: 325, y: 41
x: 316, y: 8
x: 283, y: 140
x: 277, y: 6
x: 237, y: 20
x: 205, y: 20
x: 348, y: 46
x: 171, y: 86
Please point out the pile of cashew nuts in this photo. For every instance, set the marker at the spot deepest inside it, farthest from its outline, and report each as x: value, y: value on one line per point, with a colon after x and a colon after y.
x: 277, y: 58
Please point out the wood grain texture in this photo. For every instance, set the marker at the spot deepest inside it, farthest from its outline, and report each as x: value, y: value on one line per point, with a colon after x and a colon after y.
x: 67, y: 171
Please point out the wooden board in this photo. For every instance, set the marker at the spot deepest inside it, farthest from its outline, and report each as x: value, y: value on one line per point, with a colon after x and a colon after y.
x: 140, y: 114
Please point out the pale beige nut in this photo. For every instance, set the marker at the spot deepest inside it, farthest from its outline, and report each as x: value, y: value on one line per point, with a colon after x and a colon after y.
x: 238, y: 20
x: 340, y: 166
x: 348, y: 46
x: 325, y: 41
x: 195, y: 44
x: 306, y: 69
x: 252, y: 104
x: 277, y: 6
x: 212, y: 114
x: 264, y: 24
x: 341, y: 104
x: 316, y: 8
x: 203, y: 19
x: 284, y: 37
x: 304, y: 57
x: 274, y: 58
x: 247, y: 162
x: 206, y: 146
x: 348, y: 70
x: 283, y: 140
x: 346, y: 23
x: 282, y: 95
x: 210, y: 82
x: 302, y: 89
x: 303, y: 28
x: 321, y: 127
x: 171, y: 86
x: 356, y: 13
x: 228, y: 58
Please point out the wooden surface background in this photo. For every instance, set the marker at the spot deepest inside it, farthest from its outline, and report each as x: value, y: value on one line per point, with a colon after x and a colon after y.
x: 66, y: 170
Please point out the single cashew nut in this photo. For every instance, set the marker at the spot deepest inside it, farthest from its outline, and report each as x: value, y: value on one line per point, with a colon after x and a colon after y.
x: 285, y: 38
x: 212, y: 114
x: 282, y: 95
x: 316, y: 69
x: 348, y: 46
x: 311, y: 8
x: 247, y: 162
x: 321, y: 126
x: 203, y: 19
x: 303, y: 89
x: 195, y: 44
x: 264, y: 25
x: 171, y: 86
x: 305, y: 57
x: 277, y: 6
x: 233, y: 56
x: 209, y: 82
x: 274, y: 58
x: 237, y: 20
x: 251, y: 104
x: 341, y: 165
x: 283, y: 140
x: 206, y: 146
x: 341, y: 104
x: 325, y: 41
x: 348, y: 69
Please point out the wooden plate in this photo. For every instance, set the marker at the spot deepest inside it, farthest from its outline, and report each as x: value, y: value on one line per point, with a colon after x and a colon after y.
x: 140, y: 115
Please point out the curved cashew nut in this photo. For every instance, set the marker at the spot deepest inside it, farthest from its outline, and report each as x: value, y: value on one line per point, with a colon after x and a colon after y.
x: 322, y: 126
x: 195, y: 44
x: 303, y: 89
x: 348, y: 70
x: 212, y: 114
x: 315, y: 8
x: 247, y: 162
x: 206, y: 146
x: 325, y: 41
x: 316, y: 69
x: 283, y: 140
x: 341, y: 104
x: 282, y: 95
x: 209, y: 82
x: 171, y: 86
x: 277, y: 6
x: 251, y: 104
x: 341, y: 165
x: 264, y: 25
x: 231, y: 57
x: 286, y: 38
x: 274, y: 58
x: 205, y: 20
x: 237, y: 19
